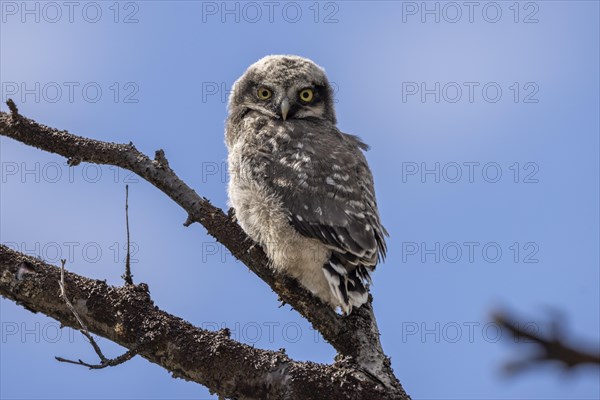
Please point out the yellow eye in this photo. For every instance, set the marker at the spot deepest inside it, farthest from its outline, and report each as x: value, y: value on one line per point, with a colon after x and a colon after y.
x: 263, y: 93
x: 306, y: 95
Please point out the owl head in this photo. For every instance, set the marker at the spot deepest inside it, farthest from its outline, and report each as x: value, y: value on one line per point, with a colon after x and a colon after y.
x: 284, y: 87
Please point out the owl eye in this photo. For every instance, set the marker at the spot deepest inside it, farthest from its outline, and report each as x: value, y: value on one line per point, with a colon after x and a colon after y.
x: 306, y: 95
x: 263, y: 93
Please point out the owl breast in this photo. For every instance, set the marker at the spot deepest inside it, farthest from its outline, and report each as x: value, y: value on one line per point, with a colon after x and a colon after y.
x: 260, y: 212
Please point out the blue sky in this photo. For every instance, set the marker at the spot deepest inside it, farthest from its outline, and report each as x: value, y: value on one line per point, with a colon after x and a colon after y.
x: 484, y: 128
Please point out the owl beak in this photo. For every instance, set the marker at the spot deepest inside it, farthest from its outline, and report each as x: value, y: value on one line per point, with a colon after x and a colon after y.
x: 285, y: 108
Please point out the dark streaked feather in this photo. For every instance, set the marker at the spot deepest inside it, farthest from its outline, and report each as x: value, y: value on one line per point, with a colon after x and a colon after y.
x: 324, y: 182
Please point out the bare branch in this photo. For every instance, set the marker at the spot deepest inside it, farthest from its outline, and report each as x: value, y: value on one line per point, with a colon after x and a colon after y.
x: 127, y: 277
x: 551, y: 347
x: 63, y: 294
x: 104, y: 362
x: 13, y: 108
x: 126, y: 315
x: 113, y: 362
x: 356, y: 337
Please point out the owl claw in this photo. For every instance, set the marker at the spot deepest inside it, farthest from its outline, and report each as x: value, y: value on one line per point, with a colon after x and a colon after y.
x: 231, y: 214
x: 252, y: 246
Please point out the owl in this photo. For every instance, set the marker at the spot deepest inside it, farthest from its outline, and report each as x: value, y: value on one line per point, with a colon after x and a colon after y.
x: 299, y: 186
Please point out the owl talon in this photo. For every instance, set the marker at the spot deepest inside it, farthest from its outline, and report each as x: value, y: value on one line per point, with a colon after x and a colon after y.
x: 231, y: 214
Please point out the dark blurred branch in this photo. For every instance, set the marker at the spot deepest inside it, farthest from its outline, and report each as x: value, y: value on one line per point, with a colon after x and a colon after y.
x: 356, y: 337
x: 551, y: 346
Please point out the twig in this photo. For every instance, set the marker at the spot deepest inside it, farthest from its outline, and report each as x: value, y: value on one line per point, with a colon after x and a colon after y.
x: 104, y: 362
x: 127, y: 276
x: 552, y: 347
x: 13, y: 108
x: 108, y: 363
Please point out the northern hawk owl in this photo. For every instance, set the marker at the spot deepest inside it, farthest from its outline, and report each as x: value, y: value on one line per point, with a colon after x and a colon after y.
x: 301, y: 188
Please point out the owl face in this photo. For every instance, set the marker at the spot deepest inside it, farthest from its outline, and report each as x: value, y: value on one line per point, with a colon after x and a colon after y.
x: 284, y: 88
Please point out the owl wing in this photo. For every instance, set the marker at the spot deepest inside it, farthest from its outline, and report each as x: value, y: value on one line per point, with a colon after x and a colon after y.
x: 326, y: 187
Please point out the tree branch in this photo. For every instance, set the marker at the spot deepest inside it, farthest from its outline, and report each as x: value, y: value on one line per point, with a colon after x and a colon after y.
x: 127, y: 316
x: 551, y: 347
x: 356, y: 337
x: 104, y: 362
x: 127, y: 277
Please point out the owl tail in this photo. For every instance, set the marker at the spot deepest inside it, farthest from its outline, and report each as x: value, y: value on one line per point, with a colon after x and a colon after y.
x: 349, y: 285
